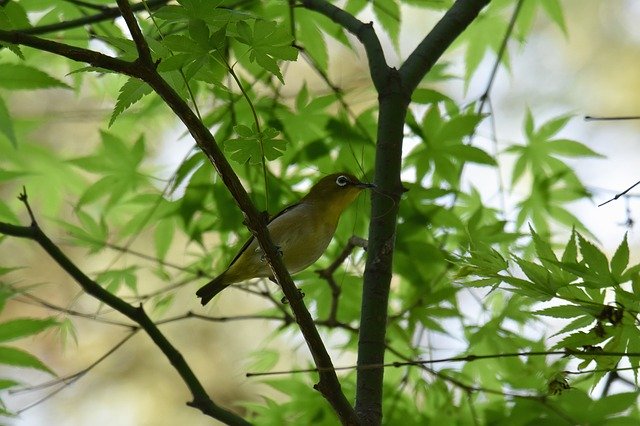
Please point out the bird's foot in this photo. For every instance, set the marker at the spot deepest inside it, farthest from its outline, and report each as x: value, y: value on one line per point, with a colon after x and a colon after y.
x: 263, y: 257
x: 285, y: 301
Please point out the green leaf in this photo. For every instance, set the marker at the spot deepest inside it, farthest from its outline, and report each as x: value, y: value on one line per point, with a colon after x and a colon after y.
x: 6, y: 213
x: 22, y: 327
x: 311, y: 37
x: 130, y: 93
x: 569, y: 148
x: 554, y: 10
x: 570, y: 254
x: 113, y: 279
x: 471, y: 154
x: 429, y: 96
x: 388, y: 14
x: 6, y: 124
x: 529, y: 124
x: 97, y: 190
x: 355, y: 6
x: 620, y: 259
x: 552, y: 127
x: 458, y: 127
x: 175, y: 62
x: 562, y: 311
x: 593, y: 257
x: 268, y: 42
x: 18, y: 77
x: 7, y: 384
x: 543, y: 248
x: 19, y: 358
x: 13, y: 17
x: 180, y: 43
x: 251, y: 146
x: 163, y: 236
x: 199, y: 32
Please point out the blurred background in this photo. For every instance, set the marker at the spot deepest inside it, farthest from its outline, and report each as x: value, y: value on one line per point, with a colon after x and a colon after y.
x: 589, y: 71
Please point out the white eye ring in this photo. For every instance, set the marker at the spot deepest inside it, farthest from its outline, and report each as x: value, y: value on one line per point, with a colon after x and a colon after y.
x: 342, y: 181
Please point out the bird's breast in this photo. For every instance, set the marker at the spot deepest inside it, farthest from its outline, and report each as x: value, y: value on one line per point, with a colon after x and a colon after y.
x: 303, y: 235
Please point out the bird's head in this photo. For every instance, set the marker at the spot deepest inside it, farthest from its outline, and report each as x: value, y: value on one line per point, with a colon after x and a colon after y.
x: 336, y: 191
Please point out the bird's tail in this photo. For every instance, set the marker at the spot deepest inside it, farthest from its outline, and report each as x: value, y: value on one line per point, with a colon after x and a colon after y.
x: 210, y: 289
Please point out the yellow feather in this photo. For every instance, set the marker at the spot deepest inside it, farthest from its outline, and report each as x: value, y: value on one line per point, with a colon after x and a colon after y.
x: 302, y: 233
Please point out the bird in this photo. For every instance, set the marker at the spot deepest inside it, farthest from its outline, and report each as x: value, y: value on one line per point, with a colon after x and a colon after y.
x: 301, y: 233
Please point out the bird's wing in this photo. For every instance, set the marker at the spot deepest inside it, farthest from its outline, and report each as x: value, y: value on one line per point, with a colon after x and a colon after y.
x: 244, y: 247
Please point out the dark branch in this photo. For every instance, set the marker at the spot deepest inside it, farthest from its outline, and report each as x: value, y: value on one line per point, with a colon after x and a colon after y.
x: 69, y: 380
x: 77, y: 54
x: 138, y: 315
x: 500, y: 55
x: 327, y: 275
x: 623, y: 117
x: 107, y: 14
x: 86, y: 4
x: 620, y: 194
x: 329, y: 386
x: 364, y: 32
x: 138, y: 38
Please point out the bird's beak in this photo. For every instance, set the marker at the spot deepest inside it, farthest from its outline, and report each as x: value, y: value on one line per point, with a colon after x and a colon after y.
x: 363, y: 185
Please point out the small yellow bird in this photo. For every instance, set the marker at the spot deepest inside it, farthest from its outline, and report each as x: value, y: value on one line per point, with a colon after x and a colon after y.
x: 301, y: 232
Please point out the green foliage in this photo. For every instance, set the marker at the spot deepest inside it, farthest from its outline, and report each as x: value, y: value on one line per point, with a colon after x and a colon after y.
x: 467, y: 275
x: 554, y: 183
x: 18, y: 328
x: 23, y: 77
x: 130, y: 93
x: 6, y: 124
x: 252, y: 145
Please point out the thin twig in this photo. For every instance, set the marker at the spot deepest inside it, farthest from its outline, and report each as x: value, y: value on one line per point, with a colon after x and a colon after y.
x: 108, y: 14
x: 466, y: 358
x: 500, y: 55
x: 327, y: 274
x: 68, y: 380
x: 622, y: 117
x: 620, y: 194
x: 34, y: 300
x: 201, y: 400
x: 25, y: 200
x: 85, y: 4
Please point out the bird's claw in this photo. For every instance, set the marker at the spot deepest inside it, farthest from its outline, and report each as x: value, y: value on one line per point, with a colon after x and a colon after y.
x: 263, y: 257
x: 284, y: 300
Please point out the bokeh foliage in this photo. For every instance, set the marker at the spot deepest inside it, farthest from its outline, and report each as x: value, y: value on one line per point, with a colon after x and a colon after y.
x: 230, y: 60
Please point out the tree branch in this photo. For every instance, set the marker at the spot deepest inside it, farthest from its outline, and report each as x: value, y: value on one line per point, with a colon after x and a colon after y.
x: 327, y: 275
x: 431, y: 48
x: 329, y: 386
x: 107, y: 14
x: 144, y: 54
x: 394, y: 93
x: 365, y: 33
x: 200, y: 398
x: 77, y: 54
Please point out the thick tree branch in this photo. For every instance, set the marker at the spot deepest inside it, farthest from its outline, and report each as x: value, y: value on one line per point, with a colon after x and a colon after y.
x: 200, y: 398
x: 394, y: 92
x: 77, y: 54
x: 431, y: 48
x: 382, y: 233
x: 328, y: 385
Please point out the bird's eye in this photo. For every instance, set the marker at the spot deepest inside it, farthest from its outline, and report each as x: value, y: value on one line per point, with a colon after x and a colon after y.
x: 342, y: 181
